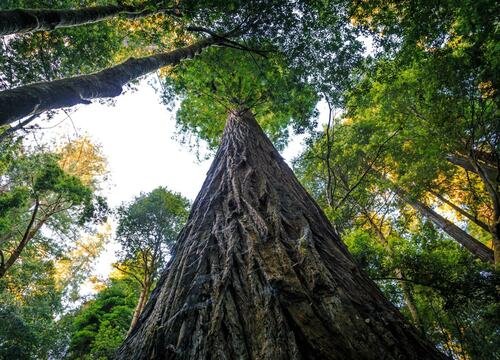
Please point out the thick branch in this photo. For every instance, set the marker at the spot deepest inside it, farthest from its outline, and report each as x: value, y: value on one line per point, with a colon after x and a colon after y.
x: 26, y: 20
x: 39, y: 97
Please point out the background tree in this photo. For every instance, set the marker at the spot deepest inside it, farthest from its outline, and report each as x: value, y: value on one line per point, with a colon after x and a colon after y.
x: 36, y: 296
x: 147, y: 230
x: 100, y: 325
x: 45, y: 256
x: 441, y: 88
x: 37, y: 192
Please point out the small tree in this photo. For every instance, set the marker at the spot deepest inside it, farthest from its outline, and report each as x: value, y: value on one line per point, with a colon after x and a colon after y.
x: 51, y: 190
x: 147, y: 229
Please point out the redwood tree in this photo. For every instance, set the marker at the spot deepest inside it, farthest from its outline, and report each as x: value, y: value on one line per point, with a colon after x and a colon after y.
x: 259, y: 273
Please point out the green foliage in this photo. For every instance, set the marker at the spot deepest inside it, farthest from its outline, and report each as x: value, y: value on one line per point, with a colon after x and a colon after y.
x: 28, y: 307
x: 221, y: 80
x: 37, y: 287
x: 37, y: 178
x: 150, y: 225
x: 59, y: 53
x: 100, y: 325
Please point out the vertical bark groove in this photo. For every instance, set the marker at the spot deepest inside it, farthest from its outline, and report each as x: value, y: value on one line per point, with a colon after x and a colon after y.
x: 259, y: 273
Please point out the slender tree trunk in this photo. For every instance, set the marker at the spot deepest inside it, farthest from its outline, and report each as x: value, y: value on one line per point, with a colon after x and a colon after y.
x: 259, y: 273
x: 30, y: 231
x: 39, y: 97
x: 490, y: 176
x: 491, y: 183
x: 475, y: 247
x: 409, y: 300
x: 461, y: 211
x: 405, y: 289
x: 143, y: 297
x: 25, y: 20
x: 496, y: 240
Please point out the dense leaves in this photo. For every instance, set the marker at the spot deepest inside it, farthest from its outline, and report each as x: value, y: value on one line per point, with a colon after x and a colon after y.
x: 224, y: 79
x: 101, y: 324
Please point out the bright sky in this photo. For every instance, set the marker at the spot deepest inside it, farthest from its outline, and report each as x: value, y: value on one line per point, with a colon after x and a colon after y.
x: 137, y: 139
x: 136, y: 135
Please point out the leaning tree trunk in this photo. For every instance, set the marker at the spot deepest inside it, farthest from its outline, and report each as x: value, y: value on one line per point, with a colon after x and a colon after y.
x: 39, y: 97
x: 474, y: 246
x: 143, y: 296
x: 461, y: 211
x: 259, y: 273
x: 17, y: 21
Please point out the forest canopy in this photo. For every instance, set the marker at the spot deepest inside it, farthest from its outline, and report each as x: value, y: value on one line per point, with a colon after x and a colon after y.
x: 397, y: 106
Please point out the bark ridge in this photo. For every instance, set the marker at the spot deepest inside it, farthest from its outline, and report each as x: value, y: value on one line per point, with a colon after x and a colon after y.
x: 259, y: 273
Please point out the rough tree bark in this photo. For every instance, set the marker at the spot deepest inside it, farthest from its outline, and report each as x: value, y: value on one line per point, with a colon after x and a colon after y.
x: 474, y: 246
x: 259, y: 273
x: 18, y: 21
x: 39, y: 97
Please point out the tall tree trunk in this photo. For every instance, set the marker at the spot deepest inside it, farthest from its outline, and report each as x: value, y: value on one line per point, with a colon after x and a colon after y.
x: 143, y: 297
x: 259, y: 273
x: 475, y: 247
x: 39, y: 97
x: 409, y: 300
x: 25, y: 20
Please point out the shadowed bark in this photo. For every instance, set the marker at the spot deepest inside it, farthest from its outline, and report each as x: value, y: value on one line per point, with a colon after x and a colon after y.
x: 18, y: 21
x: 39, y: 97
x: 259, y: 273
